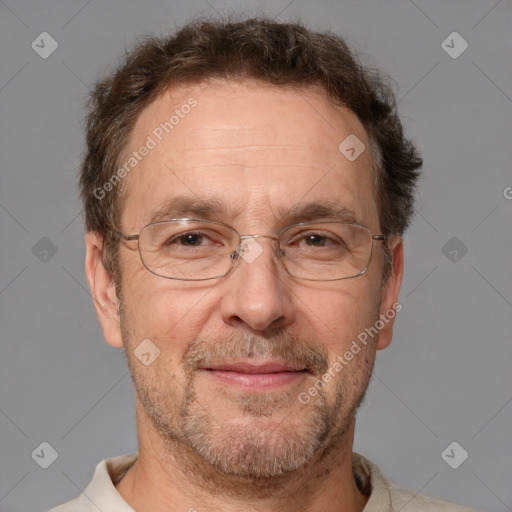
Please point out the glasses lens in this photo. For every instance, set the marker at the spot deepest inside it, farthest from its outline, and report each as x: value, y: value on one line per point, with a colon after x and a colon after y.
x: 326, y: 251
x: 197, y: 250
x: 190, y: 250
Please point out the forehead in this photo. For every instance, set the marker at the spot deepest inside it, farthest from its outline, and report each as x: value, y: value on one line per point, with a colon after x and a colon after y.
x: 256, y: 149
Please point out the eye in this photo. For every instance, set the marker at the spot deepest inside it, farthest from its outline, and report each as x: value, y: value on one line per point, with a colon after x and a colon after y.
x: 317, y: 240
x: 191, y: 239
x: 178, y: 238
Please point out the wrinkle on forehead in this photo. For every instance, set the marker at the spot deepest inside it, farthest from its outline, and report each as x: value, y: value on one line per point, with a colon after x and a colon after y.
x: 225, y: 137
x: 251, y: 143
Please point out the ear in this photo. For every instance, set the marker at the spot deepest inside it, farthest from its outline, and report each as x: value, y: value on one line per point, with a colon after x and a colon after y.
x: 103, y: 290
x: 390, y: 306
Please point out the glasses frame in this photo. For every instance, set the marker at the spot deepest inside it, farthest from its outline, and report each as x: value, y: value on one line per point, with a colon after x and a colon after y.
x: 234, y: 255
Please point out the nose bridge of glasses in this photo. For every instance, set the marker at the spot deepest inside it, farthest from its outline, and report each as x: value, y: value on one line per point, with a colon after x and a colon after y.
x: 249, y: 250
x: 244, y: 237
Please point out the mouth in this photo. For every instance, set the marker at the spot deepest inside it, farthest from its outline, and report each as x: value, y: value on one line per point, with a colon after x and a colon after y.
x: 254, y: 375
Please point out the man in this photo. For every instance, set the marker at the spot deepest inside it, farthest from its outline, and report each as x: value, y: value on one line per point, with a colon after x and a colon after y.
x: 246, y: 188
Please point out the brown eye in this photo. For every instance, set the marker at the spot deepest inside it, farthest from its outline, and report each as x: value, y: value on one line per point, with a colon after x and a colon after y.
x: 189, y: 239
x: 316, y: 240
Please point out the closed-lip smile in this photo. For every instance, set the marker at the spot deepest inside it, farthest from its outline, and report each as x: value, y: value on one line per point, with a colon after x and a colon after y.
x: 256, y: 374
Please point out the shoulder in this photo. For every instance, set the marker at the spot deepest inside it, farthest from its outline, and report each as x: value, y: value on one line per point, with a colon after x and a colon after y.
x: 385, y: 495
x: 407, y: 500
x: 101, y: 493
x: 79, y: 504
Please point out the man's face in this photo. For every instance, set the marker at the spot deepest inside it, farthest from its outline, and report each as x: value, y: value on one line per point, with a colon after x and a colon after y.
x: 263, y: 153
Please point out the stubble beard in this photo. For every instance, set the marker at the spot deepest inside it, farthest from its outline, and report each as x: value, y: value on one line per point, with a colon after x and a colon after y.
x: 262, y: 443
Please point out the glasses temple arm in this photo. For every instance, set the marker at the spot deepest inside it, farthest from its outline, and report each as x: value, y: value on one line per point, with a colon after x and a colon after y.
x: 126, y: 237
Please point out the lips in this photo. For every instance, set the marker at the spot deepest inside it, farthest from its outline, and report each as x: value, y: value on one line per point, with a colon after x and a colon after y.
x: 256, y: 376
x: 255, y: 368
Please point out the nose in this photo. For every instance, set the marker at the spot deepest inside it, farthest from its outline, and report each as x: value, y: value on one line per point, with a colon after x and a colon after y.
x: 257, y: 295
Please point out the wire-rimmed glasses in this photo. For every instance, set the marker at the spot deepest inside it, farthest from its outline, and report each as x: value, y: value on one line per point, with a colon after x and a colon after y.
x: 197, y: 250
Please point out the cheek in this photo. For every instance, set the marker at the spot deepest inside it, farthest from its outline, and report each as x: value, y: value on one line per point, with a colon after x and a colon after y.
x: 167, y: 312
x: 338, y: 312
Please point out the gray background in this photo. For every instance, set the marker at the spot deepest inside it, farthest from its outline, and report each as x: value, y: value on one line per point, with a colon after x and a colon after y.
x: 446, y: 377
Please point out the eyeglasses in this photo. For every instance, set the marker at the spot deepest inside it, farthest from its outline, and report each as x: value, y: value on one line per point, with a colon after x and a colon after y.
x: 197, y: 250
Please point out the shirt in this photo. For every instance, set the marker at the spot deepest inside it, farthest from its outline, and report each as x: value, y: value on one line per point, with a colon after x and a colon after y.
x: 385, y: 496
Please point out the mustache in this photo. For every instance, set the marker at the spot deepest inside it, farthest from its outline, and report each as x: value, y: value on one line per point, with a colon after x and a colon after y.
x: 282, y: 346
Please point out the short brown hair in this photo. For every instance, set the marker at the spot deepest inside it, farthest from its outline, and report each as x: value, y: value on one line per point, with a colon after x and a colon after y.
x: 281, y: 54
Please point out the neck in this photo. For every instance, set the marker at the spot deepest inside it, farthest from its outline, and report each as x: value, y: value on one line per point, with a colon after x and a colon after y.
x: 169, y: 477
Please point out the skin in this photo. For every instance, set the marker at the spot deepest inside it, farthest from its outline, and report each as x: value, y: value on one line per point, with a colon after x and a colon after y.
x: 261, y: 150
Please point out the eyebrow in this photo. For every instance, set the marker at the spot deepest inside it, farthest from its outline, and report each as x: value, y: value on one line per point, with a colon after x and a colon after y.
x: 318, y: 210
x: 189, y: 206
x: 216, y: 209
